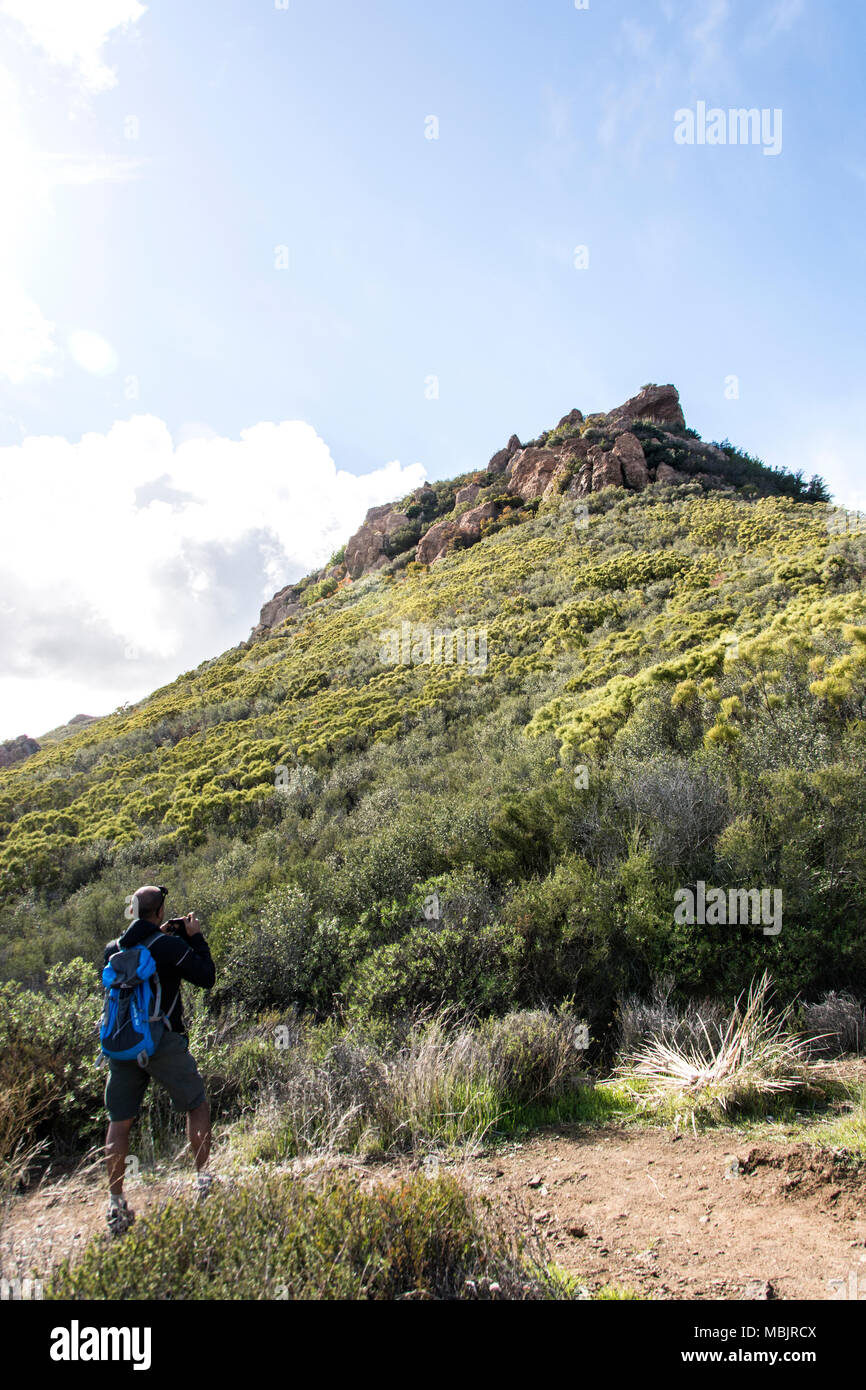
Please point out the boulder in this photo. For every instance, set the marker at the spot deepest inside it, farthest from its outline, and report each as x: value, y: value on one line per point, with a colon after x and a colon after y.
x: 627, y: 449
x: 366, y: 549
x: 531, y: 471
x: 669, y: 476
x: 436, y: 541
x: 467, y: 494
x: 606, y: 468
x: 575, y: 447
x: 660, y: 404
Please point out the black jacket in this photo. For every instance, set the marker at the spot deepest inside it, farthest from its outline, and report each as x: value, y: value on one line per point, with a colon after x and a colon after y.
x: 177, y: 958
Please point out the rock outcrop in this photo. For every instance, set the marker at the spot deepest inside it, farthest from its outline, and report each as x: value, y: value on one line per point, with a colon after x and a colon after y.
x: 466, y: 529
x: 15, y: 750
x: 531, y: 471
x: 606, y: 468
x: 658, y: 404
x: 571, y: 420
x: 366, y: 549
x: 500, y: 460
x: 283, y: 605
x: 628, y: 452
x: 640, y: 443
x: 467, y: 494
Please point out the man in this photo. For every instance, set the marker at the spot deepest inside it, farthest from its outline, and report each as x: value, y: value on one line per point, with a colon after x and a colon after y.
x: 179, y: 956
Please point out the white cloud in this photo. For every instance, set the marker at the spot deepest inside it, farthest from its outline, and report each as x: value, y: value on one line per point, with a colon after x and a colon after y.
x: 132, y: 558
x: 27, y: 346
x: 80, y: 170
x: 92, y: 352
x: 775, y: 19
x: 73, y: 33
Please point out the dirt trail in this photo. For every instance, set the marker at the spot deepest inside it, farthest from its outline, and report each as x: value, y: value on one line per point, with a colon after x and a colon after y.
x: 700, y: 1217
x: 672, y: 1217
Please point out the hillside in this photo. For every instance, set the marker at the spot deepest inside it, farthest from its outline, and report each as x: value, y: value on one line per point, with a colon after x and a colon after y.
x: 459, y: 818
x: 661, y: 683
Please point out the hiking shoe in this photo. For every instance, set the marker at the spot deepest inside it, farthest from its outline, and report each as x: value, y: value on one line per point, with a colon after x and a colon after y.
x: 204, y: 1183
x: 119, y: 1216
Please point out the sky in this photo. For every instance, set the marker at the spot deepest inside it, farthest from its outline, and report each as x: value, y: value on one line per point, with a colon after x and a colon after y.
x: 267, y: 263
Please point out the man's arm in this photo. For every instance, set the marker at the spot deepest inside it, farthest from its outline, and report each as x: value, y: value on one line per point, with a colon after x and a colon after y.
x: 191, y: 957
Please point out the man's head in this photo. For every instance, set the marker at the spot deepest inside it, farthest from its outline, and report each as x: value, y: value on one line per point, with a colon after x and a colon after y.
x: 151, y: 904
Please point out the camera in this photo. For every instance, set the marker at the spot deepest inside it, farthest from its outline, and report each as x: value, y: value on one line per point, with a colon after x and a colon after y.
x: 176, y: 926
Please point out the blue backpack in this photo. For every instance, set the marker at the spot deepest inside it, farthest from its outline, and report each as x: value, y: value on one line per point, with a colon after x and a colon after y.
x: 133, y: 1019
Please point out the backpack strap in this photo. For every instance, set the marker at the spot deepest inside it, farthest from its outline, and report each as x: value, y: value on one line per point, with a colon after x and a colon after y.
x: 160, y: 1012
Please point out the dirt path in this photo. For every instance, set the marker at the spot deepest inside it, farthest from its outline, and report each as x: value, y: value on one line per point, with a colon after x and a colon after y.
x: 687, y: 1217
x: 672, y: 1217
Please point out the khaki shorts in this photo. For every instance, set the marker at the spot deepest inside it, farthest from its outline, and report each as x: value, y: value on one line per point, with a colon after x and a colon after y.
x: 172, y: 1065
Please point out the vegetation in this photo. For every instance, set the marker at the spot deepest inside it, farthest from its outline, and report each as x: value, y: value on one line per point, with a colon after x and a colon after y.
x: 756, y: 1054
x: 429, y: 877
x: 275, y: 1238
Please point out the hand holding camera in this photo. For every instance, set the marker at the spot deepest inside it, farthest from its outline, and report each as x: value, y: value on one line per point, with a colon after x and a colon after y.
x: 183, y: 926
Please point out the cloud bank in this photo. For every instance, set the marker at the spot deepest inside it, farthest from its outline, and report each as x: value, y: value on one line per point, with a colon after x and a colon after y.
x: 128, y: 558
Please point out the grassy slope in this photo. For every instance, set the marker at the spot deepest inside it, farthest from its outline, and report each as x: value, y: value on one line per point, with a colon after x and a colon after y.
x: 607, y: 647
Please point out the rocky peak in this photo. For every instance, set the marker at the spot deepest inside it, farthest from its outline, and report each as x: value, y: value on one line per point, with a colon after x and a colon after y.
x: 500, y: 460
x: 660, y: 405
x: 15, y: 750
x: 641, y: 443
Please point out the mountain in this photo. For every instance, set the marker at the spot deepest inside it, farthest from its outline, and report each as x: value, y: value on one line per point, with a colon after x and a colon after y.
x: 486, y: 753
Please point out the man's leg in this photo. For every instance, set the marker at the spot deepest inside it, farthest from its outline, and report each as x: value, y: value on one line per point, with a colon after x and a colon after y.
x: 116, y: 1150
x: 198, y: 1133
x: 124, y: 1090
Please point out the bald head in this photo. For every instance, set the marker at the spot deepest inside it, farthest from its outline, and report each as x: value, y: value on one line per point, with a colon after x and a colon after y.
x: 150, y: 901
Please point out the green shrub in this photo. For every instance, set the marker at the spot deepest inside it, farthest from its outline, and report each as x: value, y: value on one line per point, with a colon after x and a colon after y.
x: 276, y: 1238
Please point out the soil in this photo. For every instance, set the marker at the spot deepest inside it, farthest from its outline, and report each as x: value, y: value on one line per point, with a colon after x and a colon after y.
x: 687, y: 1217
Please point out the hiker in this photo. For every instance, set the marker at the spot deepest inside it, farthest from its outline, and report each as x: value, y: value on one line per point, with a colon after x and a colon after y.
x: 179, y: 952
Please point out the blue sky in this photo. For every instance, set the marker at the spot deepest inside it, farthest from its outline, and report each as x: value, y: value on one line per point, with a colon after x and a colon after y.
x: 185, y: 425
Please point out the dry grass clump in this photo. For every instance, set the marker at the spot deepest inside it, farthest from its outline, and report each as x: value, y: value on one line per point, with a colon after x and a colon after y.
x: 837, y: 1023
x: 754, y: 1056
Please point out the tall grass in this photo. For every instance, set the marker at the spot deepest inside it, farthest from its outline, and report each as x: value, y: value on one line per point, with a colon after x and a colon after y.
x: 447, y: 1085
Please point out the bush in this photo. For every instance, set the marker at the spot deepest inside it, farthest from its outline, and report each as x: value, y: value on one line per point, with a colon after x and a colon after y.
x: 696, y: 1025
x: 474, y: 969
x: 275, y: 1238
x: 837, y: 1024
x: 50, y: 1085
